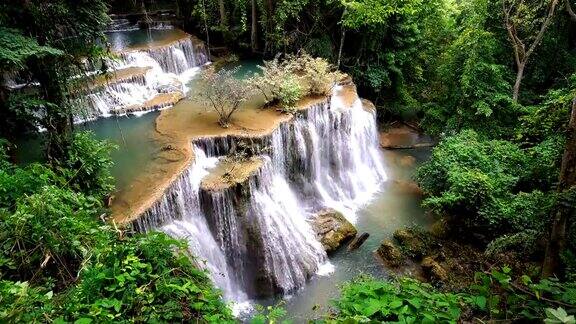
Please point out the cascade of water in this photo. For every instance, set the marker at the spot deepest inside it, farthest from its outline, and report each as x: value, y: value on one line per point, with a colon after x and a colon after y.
x: 256, y: 237
x: 292, y: 253
x: 169, y: 68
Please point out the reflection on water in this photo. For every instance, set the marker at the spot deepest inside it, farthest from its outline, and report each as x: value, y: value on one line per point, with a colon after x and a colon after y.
x: 124, y: 39
x: 133, y: 135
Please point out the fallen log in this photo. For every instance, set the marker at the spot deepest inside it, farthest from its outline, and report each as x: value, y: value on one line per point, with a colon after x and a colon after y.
x: 358, y: 241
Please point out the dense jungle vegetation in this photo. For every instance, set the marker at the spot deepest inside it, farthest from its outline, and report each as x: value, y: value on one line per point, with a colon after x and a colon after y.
x: 494, y: 81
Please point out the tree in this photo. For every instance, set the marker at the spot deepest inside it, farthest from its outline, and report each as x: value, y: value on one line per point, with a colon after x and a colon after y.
x: 525, y: 31
x: 73, y: 28
x: 224, y: 92
x: 254, y: 27
x: 570, y: 11
x: 566, y: 188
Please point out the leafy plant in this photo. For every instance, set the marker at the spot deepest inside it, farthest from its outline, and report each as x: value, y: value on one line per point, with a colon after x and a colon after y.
x: 522, y: 298
x: 87, y: 166
x: 405, y: 300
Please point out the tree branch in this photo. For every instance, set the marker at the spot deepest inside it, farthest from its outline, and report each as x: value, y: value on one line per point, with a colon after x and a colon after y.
x: 545, y: 24
x: 571, y: 12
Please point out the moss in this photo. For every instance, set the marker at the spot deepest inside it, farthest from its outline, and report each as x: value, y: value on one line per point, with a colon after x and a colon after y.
x: 332, y: 229
x: 390, y: 254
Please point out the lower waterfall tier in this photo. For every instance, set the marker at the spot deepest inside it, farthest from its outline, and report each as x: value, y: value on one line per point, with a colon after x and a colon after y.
x: 254, y: 234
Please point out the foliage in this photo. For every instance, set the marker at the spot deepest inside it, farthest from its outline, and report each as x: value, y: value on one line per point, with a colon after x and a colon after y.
x: 49, y: 42
x: 521, y: 299
x: 287, y: 81
x: 318, y: 74
x: 278, y: 84
x: 473, y: 86
x: 18, y: 49
x: 480, y: 183
x: 87, y: 166
x: 16, y: 182
x: 21, y: 303
x: 58, y: 262
x: 550, y: 116
x: 224, y: 92
x: 405, y: 301
x: 269, y: 314
x: 51, y: 231
x: 144, y: 278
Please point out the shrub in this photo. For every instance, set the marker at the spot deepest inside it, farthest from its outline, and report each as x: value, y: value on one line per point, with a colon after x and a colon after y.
x: 480, y: 184
x: 289, y: 92
x: 16, y: 183
x: 499, y: 296
x: 319, y: 75
x: 285, y: 81
x: 87, y: 166
x: 146, y: 278
x: 20, y: 303
x: 52, y: 232
x: 224, y: 93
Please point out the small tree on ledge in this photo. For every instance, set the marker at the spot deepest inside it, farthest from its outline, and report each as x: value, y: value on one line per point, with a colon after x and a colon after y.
x: 224, y: 93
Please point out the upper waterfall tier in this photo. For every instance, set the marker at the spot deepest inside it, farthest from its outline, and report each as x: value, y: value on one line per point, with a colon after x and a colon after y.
x: 145, y: 77
x: 259, y: 241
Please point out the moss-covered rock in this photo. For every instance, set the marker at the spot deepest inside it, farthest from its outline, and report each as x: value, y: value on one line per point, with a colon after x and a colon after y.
x: 433, y: 270
x: 440, y: 228
x: 390, y: 254
x: 411, y: 242
x: 332, y: 229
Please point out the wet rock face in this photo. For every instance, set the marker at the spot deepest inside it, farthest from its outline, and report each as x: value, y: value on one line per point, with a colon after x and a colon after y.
x: 332, y: 229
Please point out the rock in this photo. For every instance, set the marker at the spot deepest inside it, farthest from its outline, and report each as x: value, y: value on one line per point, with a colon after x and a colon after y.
x: 332, y: 229
x: 411, y: 242
x: 440, y: 228
x: 230, y: 172
x: 358, y: 241
x: 407, y: 187
x: 433, y: 270
x: 407, y: 161
x: 390, y: 254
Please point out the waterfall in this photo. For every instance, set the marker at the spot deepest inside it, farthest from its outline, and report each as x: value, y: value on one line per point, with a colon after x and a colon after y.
x: 160, y: 70
x: 255, y: 236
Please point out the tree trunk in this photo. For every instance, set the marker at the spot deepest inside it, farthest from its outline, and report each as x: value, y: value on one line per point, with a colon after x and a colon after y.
x: 557, y: 241
x: 269, y: 23
x: 254, y: 29
x: 57, y: 119
x: 342, y: 36
x: 571, y: 12
x: 206, y: 28
x: 223, y: 20
x: 519, y: 76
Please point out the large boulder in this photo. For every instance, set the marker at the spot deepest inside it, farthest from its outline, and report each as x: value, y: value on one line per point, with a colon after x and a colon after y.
x: 390, y: 254
x: 332, y: 229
